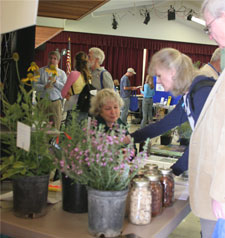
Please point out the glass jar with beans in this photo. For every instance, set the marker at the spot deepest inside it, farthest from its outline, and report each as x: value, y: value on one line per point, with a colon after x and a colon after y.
x: 167, y: 182
x: 157, y: 193
x: 140, y: 202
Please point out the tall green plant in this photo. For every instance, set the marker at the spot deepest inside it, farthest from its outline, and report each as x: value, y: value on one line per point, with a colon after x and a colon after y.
x: 19, y: 162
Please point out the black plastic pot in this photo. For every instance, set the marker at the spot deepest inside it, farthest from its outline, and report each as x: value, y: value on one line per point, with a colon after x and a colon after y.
x: 30, y: 196
x: 165, y: 140
x: 74, y: 196
x: 184, y: 141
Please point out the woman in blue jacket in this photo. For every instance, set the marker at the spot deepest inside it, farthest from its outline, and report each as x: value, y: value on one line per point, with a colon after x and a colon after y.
x: 175, y: 71
x: 147, y: 102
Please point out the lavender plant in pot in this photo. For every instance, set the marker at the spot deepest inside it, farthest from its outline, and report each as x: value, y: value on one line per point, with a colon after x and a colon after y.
x: 106, y: 167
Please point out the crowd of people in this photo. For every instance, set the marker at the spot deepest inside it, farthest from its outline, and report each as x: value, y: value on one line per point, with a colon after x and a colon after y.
x: 201, y: 104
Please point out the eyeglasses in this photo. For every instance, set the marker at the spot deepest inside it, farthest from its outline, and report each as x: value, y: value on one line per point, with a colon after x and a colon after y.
x: 207, y: 29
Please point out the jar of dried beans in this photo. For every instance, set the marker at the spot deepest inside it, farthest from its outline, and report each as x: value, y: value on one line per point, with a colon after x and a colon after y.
x: 167, y: 182
x: 157, y: 193
x: 140, y: 202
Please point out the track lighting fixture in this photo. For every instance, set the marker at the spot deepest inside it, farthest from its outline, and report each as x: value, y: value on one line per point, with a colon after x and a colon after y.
x: 171, y: 13
x: 190, y: 17
x: 147, y: 17
x: 114, y: 23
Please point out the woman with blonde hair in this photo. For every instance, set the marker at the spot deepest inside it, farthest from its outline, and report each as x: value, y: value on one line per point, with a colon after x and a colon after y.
x: 76, y: 81
x: 147, y: 102
x: 105, y: 107
x: 175, y: 71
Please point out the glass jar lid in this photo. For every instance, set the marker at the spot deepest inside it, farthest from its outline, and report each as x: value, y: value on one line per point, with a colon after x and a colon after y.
x: 152, y: 176
x: 166, y: 171
x: 141, y: 171
x: 150, y: 166
x: 140, y: 182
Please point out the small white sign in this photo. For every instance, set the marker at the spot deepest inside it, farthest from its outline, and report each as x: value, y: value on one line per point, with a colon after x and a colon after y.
x: 159, y: 87
x: 23, y: 136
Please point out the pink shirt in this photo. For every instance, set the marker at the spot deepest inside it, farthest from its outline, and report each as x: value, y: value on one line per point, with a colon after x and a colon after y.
x: 74, y: 75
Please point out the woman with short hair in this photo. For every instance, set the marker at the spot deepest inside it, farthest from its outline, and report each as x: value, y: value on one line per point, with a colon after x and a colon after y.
x: 105, y: 107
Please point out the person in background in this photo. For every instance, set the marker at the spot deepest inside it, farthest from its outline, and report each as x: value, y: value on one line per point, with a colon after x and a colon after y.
x: 101, y: 78
x: 175, y: 71
x: 206, y: 156
x: 105, y: 107
x: 212, y: 69
x: 125, y: 92
x: 147, y: 102
x: 76, y: 81
x: 51, y: 85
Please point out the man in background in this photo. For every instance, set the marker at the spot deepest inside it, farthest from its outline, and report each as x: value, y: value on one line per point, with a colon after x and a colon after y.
x: 101, y: 78
x: 50, y: 84
x: 212, y: 69
x: 125, y: 92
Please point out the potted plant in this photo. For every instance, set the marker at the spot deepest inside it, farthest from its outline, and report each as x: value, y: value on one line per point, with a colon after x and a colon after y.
x: 166, y: 138
x: 107, y: 168
x: 74, y: 194
x: 26, y: 132
x: 184, y: 132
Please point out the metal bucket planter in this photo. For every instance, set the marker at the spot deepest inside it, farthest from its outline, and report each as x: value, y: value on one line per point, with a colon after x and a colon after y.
x: 106, y: 210
x: 30, y: 196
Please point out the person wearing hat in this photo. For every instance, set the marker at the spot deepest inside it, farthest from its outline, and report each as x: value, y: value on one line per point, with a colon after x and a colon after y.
x: 125, y: 92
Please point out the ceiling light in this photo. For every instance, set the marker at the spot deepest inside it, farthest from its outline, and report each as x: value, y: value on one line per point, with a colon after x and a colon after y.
x: 190, y: 17
x: 198, y: 20
x: 147, y: 17
x: 114, y: 23
x: 171, y: 13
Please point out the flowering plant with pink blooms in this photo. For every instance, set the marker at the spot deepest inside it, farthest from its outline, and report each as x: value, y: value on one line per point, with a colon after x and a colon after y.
x: 100, y: 160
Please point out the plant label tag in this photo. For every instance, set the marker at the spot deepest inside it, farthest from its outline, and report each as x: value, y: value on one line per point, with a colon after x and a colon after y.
x: 23, y: 136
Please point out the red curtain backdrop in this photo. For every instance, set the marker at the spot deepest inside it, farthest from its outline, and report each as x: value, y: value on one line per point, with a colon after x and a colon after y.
x: 121, y: 52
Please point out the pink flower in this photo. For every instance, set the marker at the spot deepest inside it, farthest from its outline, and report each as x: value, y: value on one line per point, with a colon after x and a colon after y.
x: 122, y: 166
x: 62, y: 163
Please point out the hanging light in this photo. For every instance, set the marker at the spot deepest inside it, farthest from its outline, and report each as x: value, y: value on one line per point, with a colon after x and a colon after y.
x: 114, y: 23
x: 147, y: 17
x: 171, y: 13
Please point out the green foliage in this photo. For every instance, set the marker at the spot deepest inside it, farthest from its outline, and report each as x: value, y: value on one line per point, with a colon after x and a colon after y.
x: 168, y: 133
x: 184, y: 130
x: 38, y: 160
x: 98, y: 158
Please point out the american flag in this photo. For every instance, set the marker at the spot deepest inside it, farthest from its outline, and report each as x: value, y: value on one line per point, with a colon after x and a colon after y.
x: 68, y: 58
